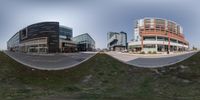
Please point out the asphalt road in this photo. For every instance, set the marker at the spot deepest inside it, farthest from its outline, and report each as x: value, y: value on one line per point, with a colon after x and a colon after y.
x: 151, y: 62
x: 50, y: 61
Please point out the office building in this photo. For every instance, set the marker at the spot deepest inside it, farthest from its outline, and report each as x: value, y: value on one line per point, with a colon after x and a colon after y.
x: 158, y: 35
x: 84, y: 42
x: 117, y: 41
x: 44, y: 37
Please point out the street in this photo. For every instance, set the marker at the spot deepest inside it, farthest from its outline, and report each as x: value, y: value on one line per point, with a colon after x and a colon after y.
x: 51, y: 61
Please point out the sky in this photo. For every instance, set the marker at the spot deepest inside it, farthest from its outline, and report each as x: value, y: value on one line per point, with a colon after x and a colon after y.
x: 98, y: 17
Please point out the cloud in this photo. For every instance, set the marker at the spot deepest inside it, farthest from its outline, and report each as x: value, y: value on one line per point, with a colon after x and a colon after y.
x: 96, y: 17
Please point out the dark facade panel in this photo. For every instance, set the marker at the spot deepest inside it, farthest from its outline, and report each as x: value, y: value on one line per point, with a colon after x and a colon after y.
x: 44, y: 29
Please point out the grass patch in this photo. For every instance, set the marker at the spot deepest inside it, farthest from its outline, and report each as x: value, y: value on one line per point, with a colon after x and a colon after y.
x: 101, y: 78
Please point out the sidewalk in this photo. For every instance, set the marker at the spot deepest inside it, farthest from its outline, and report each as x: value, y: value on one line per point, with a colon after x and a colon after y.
x: 150, y: 60
x: 153, y: 55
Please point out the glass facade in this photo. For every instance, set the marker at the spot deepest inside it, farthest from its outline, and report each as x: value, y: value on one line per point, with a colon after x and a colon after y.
x: 49, y: 37
x: 13, y: 43
x: 45, y: 37
x: 65, y: 38
x: 36, y: 45
x: 65, y: 32
x: 84, y: 42
x: 117, y: 41
x: 50, y: 30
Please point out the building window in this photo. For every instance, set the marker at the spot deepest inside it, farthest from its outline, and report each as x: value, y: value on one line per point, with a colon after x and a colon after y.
x: 152, y: 38
x: 150, y: 46
x: 24, y: 33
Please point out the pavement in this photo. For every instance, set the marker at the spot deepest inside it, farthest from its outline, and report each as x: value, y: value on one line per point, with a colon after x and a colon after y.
x: 57, y: 61
x: 150, y: 60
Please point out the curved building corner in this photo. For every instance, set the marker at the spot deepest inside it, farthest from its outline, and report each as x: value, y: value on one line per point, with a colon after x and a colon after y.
x: 158, y: 35
x: 43, y: 37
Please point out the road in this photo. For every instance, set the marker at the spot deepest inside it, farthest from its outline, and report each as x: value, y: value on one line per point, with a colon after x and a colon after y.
x: 50, y: 61
x: 151, y: 62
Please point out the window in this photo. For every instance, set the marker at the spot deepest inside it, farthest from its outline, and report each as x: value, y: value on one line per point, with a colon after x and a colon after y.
x: 173, y: 40
x: 152, y: 38
x: 160, y: 39
x: 23, y: 33
x: 150, y: 46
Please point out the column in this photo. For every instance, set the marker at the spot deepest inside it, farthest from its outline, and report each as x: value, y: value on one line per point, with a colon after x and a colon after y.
x: 156, y: 45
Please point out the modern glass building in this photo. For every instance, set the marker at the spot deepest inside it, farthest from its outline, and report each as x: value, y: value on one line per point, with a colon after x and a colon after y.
x: 117, y: 41
x: 65, y: 37
x: 158, y: 35
x: 44, y: 37
x: 13, y: 44
x: 84, y: 42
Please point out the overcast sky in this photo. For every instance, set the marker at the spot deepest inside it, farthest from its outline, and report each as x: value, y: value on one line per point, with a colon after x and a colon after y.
x: 97, y: 17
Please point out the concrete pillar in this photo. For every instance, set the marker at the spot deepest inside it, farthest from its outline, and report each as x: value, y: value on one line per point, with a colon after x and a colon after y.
x: 142, y: 42
x: 156, y: 45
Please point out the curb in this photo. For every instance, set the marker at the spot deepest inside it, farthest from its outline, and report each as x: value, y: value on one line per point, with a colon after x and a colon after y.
x: 136, y: 65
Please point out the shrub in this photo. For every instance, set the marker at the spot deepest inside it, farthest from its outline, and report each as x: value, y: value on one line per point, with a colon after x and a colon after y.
x: 149, y: 52
x: 142, y: 52
x: 154, y: 52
